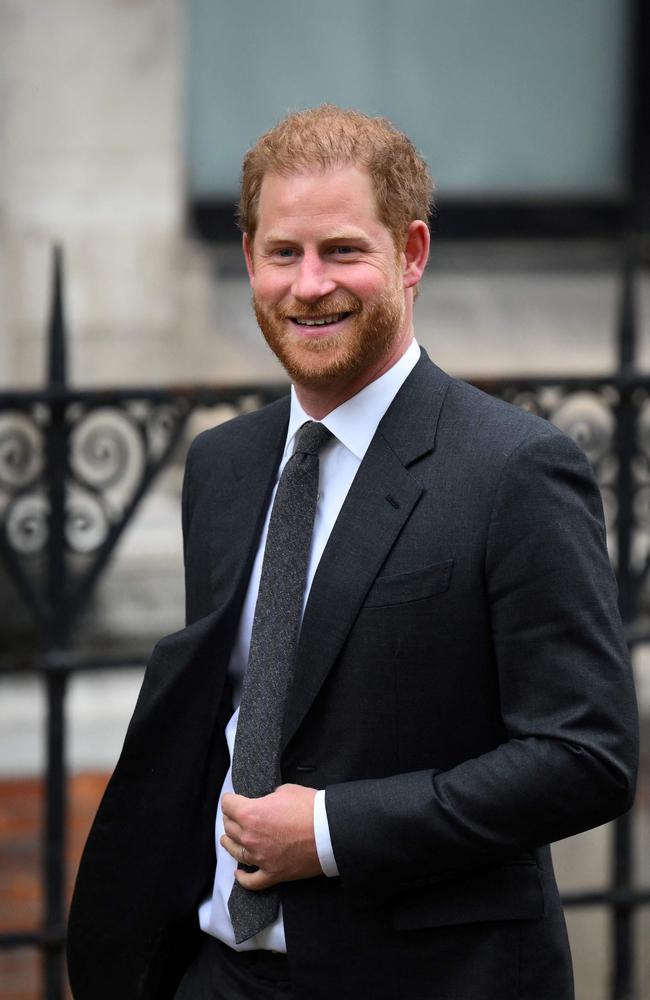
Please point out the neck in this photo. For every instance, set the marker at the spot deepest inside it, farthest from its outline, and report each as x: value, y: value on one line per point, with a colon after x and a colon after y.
x: 318, y: 401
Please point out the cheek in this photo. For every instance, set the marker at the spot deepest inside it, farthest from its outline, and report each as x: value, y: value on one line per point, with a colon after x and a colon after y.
x: 271, y: 288
x: 382, y: 287
x: 367, y: 286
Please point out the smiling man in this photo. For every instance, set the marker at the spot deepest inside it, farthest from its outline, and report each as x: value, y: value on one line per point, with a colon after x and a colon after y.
x: 403, y: 673
x: 328, y: 285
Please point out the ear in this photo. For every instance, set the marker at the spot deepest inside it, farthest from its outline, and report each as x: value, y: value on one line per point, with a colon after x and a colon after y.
x: 416, y: 253
x: 247, y: 246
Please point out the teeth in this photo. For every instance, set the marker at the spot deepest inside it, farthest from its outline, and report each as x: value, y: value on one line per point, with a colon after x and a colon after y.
x: 321, y: 322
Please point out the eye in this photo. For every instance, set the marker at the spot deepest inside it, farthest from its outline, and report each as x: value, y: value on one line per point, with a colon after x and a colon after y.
x: 344, y: 250
x: 286, y: 253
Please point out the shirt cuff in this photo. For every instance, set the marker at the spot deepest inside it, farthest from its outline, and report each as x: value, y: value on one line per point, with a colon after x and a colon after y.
x: 322, y: 836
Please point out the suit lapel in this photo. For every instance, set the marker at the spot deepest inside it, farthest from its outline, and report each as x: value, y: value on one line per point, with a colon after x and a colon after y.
x: 240, y: 503
x: 378, y: 505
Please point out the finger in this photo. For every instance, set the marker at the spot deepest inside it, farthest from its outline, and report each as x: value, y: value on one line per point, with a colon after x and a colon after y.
x: 233, y: 829
x: 255, y: 880
x: 230, y: 804
x: 233, y: 847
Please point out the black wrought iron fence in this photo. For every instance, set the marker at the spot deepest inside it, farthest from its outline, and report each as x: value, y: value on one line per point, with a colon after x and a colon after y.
x: 75, y: 465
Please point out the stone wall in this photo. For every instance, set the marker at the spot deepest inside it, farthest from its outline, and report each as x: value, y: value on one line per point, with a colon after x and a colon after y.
x: 91, y: 120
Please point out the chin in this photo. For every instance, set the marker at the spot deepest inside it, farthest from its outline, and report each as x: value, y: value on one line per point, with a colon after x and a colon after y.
x: 313, y: 368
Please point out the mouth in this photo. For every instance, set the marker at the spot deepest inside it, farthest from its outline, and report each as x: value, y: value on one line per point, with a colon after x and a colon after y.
x: 319, y: 321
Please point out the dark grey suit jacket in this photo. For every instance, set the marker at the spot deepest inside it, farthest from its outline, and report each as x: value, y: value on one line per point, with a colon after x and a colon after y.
x: 462, y: 691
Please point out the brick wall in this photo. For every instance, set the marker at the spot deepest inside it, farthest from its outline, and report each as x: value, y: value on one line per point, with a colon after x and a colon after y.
x: 21, y: 902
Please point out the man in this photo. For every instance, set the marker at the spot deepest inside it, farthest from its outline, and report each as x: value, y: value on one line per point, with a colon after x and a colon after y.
x: 453, y: 694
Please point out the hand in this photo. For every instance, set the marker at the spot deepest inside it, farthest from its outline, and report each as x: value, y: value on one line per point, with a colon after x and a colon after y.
x: 277, y: 832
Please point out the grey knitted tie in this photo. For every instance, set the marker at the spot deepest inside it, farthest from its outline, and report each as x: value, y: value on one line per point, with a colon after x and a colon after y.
x: 274, y: 639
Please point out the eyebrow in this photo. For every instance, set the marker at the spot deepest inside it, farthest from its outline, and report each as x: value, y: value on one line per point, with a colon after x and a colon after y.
x: 343, y: 236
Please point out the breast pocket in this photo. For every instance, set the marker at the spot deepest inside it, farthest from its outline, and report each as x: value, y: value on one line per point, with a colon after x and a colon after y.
x: 401, y: 588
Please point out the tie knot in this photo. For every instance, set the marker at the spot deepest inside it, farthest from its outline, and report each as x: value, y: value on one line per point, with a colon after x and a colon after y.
x: 311, y: 437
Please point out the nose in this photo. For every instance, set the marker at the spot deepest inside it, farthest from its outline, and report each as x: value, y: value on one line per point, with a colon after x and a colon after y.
x: 312, y: 280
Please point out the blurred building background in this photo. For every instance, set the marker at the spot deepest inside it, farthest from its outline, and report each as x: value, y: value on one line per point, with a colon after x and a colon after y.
x: 122, y: 128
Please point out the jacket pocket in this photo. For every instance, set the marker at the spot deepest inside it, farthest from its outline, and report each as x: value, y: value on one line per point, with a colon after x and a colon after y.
x: 510, y: 892
x: 403, y: 587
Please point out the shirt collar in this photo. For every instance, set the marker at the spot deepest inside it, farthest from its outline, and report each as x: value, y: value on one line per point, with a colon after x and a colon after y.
x: 354, y: 422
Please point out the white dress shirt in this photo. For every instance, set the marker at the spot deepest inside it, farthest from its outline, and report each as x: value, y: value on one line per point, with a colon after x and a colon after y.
x: 353, y: 425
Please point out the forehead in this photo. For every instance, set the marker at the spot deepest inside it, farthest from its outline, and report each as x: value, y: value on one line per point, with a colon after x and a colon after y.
x: 342, y: 196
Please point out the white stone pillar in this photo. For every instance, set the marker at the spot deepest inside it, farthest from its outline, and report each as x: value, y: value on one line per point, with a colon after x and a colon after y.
x: 91, y: 152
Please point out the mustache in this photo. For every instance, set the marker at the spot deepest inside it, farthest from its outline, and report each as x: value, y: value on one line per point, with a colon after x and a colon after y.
x: 339, y: 303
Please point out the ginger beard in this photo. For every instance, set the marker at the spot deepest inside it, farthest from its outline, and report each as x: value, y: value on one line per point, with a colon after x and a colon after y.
x: 365, y: 340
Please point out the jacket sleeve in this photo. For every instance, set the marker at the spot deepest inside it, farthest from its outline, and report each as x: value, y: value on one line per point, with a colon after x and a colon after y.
x: 566, y: 697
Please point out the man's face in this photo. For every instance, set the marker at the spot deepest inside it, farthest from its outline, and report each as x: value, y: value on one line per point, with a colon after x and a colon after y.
x: 326, y: 278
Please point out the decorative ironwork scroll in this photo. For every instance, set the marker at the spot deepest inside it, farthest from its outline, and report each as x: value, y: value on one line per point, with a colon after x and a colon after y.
x: 113, y: 451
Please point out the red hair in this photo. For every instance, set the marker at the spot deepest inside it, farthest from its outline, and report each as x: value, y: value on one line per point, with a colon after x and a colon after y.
x: 328, y: 137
